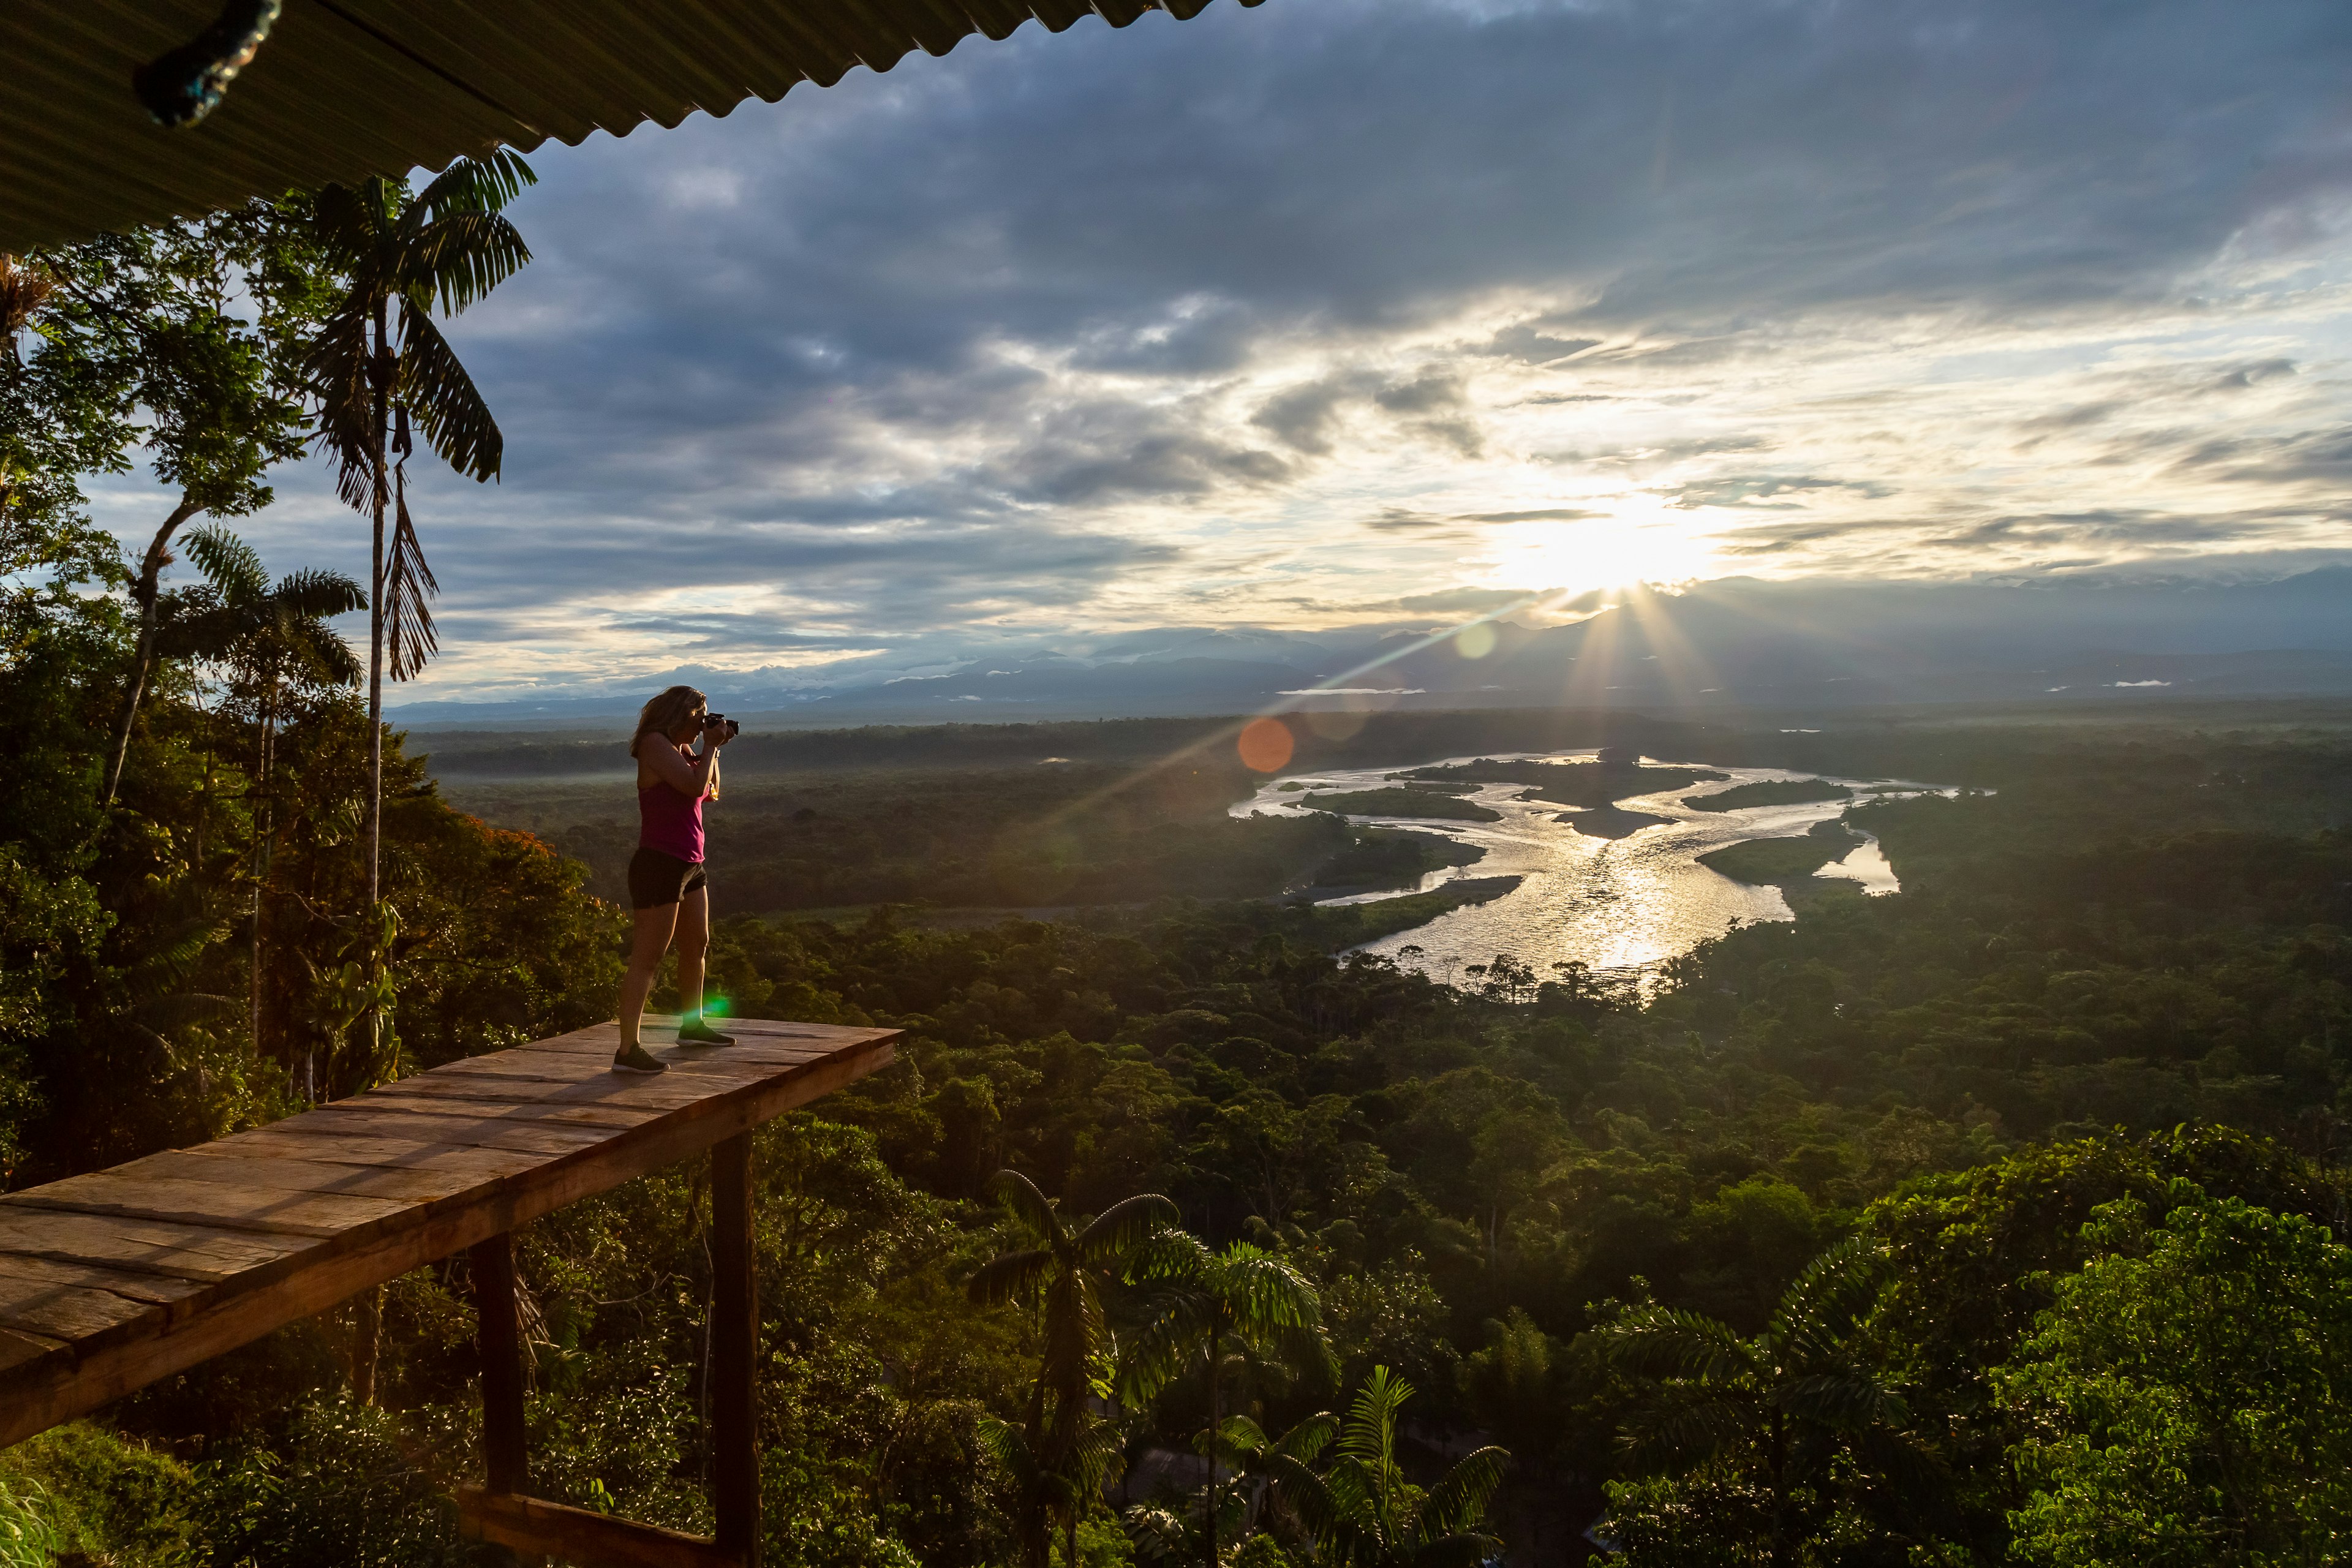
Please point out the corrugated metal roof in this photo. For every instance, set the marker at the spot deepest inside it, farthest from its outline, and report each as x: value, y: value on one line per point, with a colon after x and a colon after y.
x: 346, y: 88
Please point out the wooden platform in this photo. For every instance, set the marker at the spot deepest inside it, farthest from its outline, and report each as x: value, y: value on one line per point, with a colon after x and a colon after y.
x: 113, y: 1279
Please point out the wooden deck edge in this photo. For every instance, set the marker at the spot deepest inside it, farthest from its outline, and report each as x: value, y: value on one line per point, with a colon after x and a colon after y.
x: 532, y: 1529
x: 155, y: 1345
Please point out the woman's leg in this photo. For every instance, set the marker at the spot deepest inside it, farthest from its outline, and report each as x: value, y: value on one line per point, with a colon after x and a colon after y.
x: 693, y: 943
x: 652, y: 940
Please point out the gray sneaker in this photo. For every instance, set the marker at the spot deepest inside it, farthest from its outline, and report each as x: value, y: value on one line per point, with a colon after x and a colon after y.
x: 696, y: 1032
x: 633, y: 1059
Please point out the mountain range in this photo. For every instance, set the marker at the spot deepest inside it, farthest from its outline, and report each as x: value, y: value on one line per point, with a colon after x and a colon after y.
x: 1730, y: 643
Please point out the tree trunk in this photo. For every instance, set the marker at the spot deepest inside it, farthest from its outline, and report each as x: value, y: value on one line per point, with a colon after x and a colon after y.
x: 380, y: 388
x: 263, y: 846
x: 1212, y: 1520
x: 367, y: 1340
x: 143, y: 594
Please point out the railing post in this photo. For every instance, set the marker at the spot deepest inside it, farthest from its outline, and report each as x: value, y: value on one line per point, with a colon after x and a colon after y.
x: 499, y: 1345
x: 734, y: 1339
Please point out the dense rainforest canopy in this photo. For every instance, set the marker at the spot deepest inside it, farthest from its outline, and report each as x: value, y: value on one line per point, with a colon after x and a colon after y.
x: 1995, y: 1221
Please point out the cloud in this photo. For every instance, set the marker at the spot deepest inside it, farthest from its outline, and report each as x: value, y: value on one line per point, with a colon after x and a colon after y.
x: 1274, y: 309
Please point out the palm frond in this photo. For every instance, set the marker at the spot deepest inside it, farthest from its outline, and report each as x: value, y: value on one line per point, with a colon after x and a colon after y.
x: 1459, y: 1499
x: 170, y: 961
x: 350, y: 222
x: 1123, y: 1228
x: 1308, y: 1496
x: 1848, y: 1399
x: 1170, y: 1256
x: 1237, y: 1437
x: 1012, y: 1277
x: 315, y: 595
x: 323, y: 653
x: 409, y: 636
x: 1154, y: 1356
x: 482, y: 184
x: 1654, y: 1341
x: 436, y: 389
x: 1018, y: 1197
x: 231, y: 564
x: 1678, y: 1432
x: 336, y: 367
x: 1822, y: 1306
x: 1367, y: 1435
x: 455, y: 261
x: 1308, y: 1438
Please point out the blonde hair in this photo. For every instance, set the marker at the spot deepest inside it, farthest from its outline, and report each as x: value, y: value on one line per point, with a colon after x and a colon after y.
x: 664, y: 713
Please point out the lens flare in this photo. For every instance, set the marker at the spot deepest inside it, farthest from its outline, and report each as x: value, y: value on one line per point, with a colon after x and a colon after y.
x: 1265, y: 746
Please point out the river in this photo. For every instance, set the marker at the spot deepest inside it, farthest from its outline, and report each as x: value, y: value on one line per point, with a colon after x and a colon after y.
x: 1619, y: 905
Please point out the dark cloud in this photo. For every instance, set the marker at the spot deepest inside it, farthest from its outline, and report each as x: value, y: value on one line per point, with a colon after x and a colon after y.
x: 906, y: 345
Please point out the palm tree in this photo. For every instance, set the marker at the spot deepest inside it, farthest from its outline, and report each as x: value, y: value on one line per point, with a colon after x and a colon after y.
x: 1243, y: 1448
x: 270, y: 636
x: 373, y: 368
x: 1782, y: 1404
x: 1364, y: 1512
x: 1059, y: 1456
x: 1242, y: 1298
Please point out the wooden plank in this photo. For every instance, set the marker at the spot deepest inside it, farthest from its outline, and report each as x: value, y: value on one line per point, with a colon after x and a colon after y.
x: 290, y: 1173
x: 214, y: 1204
x: 26, y: 1354
x: 357, y: 1141
x: 336, y: 1151
x: 532, y: 1529
x: 450, y: 1124
x: 497, y: 1341
x: 177, y: 1251
x: 25, y: 1276
x: 77, y: 1304
x: 269, y: 1279
x: 525, y: 1066
x: 734, y: 1342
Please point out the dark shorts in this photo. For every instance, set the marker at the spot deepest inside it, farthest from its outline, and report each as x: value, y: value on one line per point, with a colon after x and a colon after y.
x: 655, y: 878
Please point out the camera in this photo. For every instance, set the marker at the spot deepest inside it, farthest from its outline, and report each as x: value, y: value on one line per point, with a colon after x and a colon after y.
x: 720, y: 722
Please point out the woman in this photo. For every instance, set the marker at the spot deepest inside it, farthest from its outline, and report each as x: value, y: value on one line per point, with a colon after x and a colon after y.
x: 667, y: 886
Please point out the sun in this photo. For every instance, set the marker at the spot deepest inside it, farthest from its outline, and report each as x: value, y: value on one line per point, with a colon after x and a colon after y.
x: 1633, y: 538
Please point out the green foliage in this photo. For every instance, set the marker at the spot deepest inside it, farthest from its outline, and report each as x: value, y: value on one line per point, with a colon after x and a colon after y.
x: 1416, y: 804
x: 1767, y: 860
x: 1768, y: 792
x: 1589, y: 784
x: 2189, y: 1395
x: 345, y: 1486
x: 80, y: 1489
x: 1363, y: 1510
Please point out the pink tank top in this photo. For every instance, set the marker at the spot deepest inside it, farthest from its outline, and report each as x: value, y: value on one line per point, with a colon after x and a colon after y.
x: 671, y: 822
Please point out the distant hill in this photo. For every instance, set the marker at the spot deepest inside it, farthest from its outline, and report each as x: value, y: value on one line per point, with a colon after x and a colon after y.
x: 1733, y: 643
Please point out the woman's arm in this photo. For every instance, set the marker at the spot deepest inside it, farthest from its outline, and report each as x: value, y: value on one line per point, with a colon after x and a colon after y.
x: 689, y: 776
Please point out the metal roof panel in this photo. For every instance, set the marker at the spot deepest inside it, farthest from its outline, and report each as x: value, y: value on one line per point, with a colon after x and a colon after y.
x: 346, y: 88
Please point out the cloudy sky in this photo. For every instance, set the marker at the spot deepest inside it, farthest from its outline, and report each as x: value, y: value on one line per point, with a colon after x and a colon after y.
x: 1338, y: 311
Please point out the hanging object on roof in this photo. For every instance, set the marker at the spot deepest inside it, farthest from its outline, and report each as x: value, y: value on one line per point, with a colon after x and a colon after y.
x: 182, y: 86
x: 344, y: 90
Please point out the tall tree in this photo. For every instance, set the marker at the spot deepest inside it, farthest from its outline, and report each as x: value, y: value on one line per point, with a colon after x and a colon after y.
x: 1365, y: 1513
x: 1774, y: 1411
x: 1243, y: 1449
x: 379, y: 362
x: 178, y: 339
x: 1057, y: 1461
x: 1242, y: 1299
x: 2190, y: 1392
x: 265, y: 638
